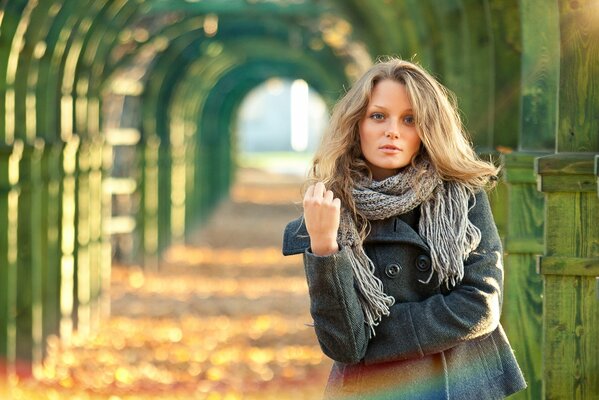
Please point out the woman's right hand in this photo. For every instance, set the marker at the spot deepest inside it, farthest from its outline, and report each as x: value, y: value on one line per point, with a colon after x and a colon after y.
x: 322, y: 214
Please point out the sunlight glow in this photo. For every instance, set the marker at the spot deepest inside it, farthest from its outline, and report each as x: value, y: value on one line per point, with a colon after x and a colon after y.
x: 211, y: 25
x: 299, y: 115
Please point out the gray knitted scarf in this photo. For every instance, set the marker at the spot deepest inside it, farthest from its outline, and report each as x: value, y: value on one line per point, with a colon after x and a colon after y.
x: 443, y: 224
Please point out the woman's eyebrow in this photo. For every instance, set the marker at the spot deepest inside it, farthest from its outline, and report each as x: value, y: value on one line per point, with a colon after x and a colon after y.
x: 385, y: 108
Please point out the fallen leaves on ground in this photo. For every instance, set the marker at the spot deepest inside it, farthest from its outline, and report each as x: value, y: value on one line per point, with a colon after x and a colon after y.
x: 216, y: 322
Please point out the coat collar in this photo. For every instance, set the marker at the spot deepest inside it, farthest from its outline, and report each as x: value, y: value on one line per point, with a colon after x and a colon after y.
x: 394, y: 230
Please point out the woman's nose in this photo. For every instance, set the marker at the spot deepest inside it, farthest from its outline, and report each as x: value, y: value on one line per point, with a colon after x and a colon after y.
x: 392, y: 131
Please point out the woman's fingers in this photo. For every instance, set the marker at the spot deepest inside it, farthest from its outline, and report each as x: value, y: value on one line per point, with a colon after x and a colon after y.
x: 318, y: 193
x: 319, y: 190
x: 321, y: 214
x: 309, y: 192
x: 328, y: 196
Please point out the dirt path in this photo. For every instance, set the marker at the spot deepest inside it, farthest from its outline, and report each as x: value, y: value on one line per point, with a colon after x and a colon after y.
x: 225, y: 318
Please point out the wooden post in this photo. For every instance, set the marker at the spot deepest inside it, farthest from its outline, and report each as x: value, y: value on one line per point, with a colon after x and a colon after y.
x: 28, y: 284
x: 523, y: 241
x: 570, y: 264
x: 10, y: 156
x: 570, y: 268
x: 51, y: 216
x: 83, y: 278
x: 68, y: 239
x: 148, y: 214
x: 96, y: 204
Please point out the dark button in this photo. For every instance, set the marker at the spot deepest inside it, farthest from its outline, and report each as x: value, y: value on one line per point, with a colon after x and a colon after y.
x: 392, y: 270
x: 423, y: 263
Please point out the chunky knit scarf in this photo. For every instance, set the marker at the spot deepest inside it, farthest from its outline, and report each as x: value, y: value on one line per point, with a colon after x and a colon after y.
x: 444, y: 226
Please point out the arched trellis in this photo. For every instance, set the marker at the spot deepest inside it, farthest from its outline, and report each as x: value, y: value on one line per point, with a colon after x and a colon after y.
x: 169, y: 70
x: 518, y: 68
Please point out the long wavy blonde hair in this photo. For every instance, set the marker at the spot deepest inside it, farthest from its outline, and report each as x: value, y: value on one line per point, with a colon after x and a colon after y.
x: 338, y: 161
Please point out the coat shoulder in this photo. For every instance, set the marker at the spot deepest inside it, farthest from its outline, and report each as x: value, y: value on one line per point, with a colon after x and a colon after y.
x: 295, y: 237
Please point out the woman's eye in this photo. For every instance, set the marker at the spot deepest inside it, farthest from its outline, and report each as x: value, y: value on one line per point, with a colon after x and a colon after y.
x: 410, y: 120
x: 377, y: 116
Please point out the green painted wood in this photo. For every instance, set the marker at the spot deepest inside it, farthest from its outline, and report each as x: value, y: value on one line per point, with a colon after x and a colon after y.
x: 82, y: 273
x: 523, y: 242
x: 569, y: 266
x: 452, y: 25
x: 97, y: 282
x: 10, y: 157
x: 505, y: 22
x: 540, y: 74
x: 28, y: 317
x: 578, y: 125
x: 148, y: 218
x: 51, y: 217
x: 571, y: 312
x: 100, y: 40
x: 237, y: 8
x: 597, y: 172
x: 68, y: 238
x: 51, y: 69
x: 11, y: 16
x: 566, y: 164
x: 522, y: 317
x: 557, y: 183
x: 476, y: 91
x: 566, y: 172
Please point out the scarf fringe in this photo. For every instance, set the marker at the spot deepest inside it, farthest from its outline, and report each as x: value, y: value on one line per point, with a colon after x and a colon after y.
x: 375, y: 303
x: 447, y: 256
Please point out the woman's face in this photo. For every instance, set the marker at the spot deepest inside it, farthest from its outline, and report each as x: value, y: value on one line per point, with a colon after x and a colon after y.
x: 388, y: 135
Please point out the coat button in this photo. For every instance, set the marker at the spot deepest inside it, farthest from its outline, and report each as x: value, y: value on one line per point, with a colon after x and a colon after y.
x: 423, y: 263
x: 392, y: 270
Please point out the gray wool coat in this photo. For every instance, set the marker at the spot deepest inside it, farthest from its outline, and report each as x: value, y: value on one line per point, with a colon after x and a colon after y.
x: 437, y: 343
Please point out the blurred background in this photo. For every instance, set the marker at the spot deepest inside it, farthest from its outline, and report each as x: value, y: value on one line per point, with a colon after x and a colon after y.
x: 152, y: 151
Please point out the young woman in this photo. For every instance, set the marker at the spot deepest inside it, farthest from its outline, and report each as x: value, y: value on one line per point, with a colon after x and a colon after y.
x: 402, y: 256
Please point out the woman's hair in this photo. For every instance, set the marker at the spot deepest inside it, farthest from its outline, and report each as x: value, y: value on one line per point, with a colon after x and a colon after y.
x: 338, y: 162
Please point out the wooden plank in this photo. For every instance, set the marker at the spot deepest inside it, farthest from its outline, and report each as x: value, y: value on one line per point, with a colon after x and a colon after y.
x: 470, y: 28
x: 522, y: 319
x: 539, y: 23
x: 523, y: 300
x: 579, y: 77
x: 51, y: 216
x: 568, y: 266
x: 571, y: 329
x: 9, y: 200
x: 507, y: 44
x: 82, y: 281
x: 540, y: 74
x: 566, y: 164
x: 578, y: 213
x: 566, y: 183
x: 571, y: 312
x: 519, y: 167
x: 27, y: 274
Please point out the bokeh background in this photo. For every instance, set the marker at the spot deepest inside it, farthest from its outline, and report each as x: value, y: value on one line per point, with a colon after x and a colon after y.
x: 152, y: 151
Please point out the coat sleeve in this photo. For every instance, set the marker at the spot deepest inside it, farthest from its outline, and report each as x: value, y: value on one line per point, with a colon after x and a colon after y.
x: 471, y: 310
x: 334, y: 305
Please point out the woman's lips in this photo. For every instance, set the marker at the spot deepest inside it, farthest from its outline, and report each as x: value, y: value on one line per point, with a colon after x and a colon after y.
x: 390, y: 149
